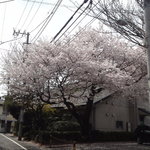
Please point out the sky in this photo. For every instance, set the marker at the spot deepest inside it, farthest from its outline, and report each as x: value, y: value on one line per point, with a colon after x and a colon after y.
x: 23, y: 16
x: 26, y: 15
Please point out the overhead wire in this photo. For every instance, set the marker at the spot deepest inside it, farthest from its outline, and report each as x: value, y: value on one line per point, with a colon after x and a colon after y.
x: 22, y: 13
x: 3, y: 21
x: 82, y: 20
x: 85, y: 26
x: 31, y: 20
x: 10, y: 40
x: 87, y: 14
x: 76, y: 25
x: 47, y: 20
x: 40, y: 23
x: 7, y: 1
x: 76, y: 4
x: 85, y: 1
x: 89, y: 5
x: 73, y: 3
x: 47, y: 3
x: 82, y: 29
x: 28, y: 14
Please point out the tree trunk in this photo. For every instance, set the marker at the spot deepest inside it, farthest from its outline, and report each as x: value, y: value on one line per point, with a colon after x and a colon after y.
x: 85, y: 129
x: 83, y: 118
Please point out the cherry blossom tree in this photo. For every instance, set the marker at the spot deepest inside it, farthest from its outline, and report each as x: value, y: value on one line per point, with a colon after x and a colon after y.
x: 71, y: 74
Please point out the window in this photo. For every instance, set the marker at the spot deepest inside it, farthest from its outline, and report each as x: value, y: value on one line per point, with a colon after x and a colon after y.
x: 2, y: 123
x: 119, y: 124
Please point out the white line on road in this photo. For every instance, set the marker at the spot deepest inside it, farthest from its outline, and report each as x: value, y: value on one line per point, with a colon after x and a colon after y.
x: 13, y: 141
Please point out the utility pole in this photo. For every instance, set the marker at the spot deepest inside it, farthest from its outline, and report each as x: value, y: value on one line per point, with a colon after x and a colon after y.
x: 17, y: 33
x: 21, y: 116
x: 147, y: 39
x: 20, y: 123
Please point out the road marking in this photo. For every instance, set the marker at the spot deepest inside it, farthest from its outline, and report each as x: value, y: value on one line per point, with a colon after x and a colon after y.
x: 13, y: 141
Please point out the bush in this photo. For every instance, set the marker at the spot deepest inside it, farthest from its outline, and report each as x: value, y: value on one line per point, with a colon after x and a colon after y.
x: 46, y: 137
x: 66, y: 126
x: 30, y: 135
x: 43, y: 137
x: 67, y: 135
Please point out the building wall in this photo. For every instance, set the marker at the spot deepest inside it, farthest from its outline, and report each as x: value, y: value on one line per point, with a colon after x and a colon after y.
x: 2, y: 118
x: 6, y: 120
x: 114, y: 114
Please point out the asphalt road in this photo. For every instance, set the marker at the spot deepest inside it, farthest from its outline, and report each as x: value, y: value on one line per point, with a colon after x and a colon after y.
x: 9, y: 142
x: 115, y: 146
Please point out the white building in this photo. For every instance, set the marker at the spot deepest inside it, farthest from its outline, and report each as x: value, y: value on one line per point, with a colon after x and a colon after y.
x: 113, y: 112
x: 6, y: 120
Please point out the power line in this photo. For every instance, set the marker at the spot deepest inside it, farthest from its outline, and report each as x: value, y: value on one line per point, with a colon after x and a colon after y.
x: 90, y: 22
x: 39, y: 24
x: 10, y: 40
x: 46, y: 3
x: 80, y: 22
x: 3, y: 21
x: 87, y: 14
x: 86, y: 25
x: 22, y: 13
x: 85, y: 1
x: 90, y: 4
x: 47, y: 20
x: 31, y: 20
x: 7, y: 1
x: 28, y: 14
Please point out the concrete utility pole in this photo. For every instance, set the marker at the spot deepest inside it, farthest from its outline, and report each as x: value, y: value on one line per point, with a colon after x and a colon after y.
x: 17, y: 33
x: 147, y: 39
x: 21, y: 116
x: 20, y: 124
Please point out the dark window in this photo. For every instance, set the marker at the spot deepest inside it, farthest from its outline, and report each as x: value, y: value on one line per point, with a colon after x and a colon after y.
x: 119, y: 124
x: 2, y: 123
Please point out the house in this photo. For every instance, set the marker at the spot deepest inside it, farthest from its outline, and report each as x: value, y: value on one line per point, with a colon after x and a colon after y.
x: 113, y: 112
x: 6, y: 120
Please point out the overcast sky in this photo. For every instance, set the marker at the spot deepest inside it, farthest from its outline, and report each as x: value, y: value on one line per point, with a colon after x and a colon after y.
x: 27, y: 15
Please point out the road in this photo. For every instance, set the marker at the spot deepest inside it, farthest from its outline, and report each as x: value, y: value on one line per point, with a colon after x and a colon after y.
x: 115, y: 146
x: 9, y: 142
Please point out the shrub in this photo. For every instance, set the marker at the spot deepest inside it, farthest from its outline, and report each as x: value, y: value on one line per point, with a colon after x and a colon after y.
x: 30, y: 135
x: 66, y: 126
x: 67, y: 135
x: 46, y: 137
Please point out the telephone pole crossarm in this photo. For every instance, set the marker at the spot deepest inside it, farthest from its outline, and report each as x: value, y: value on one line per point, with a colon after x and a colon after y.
x: 17, y: 33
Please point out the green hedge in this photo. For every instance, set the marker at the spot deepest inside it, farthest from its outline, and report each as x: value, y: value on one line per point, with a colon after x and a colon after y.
x: 47, y: 137
x: 66, y: 126
x: 31, y: 135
